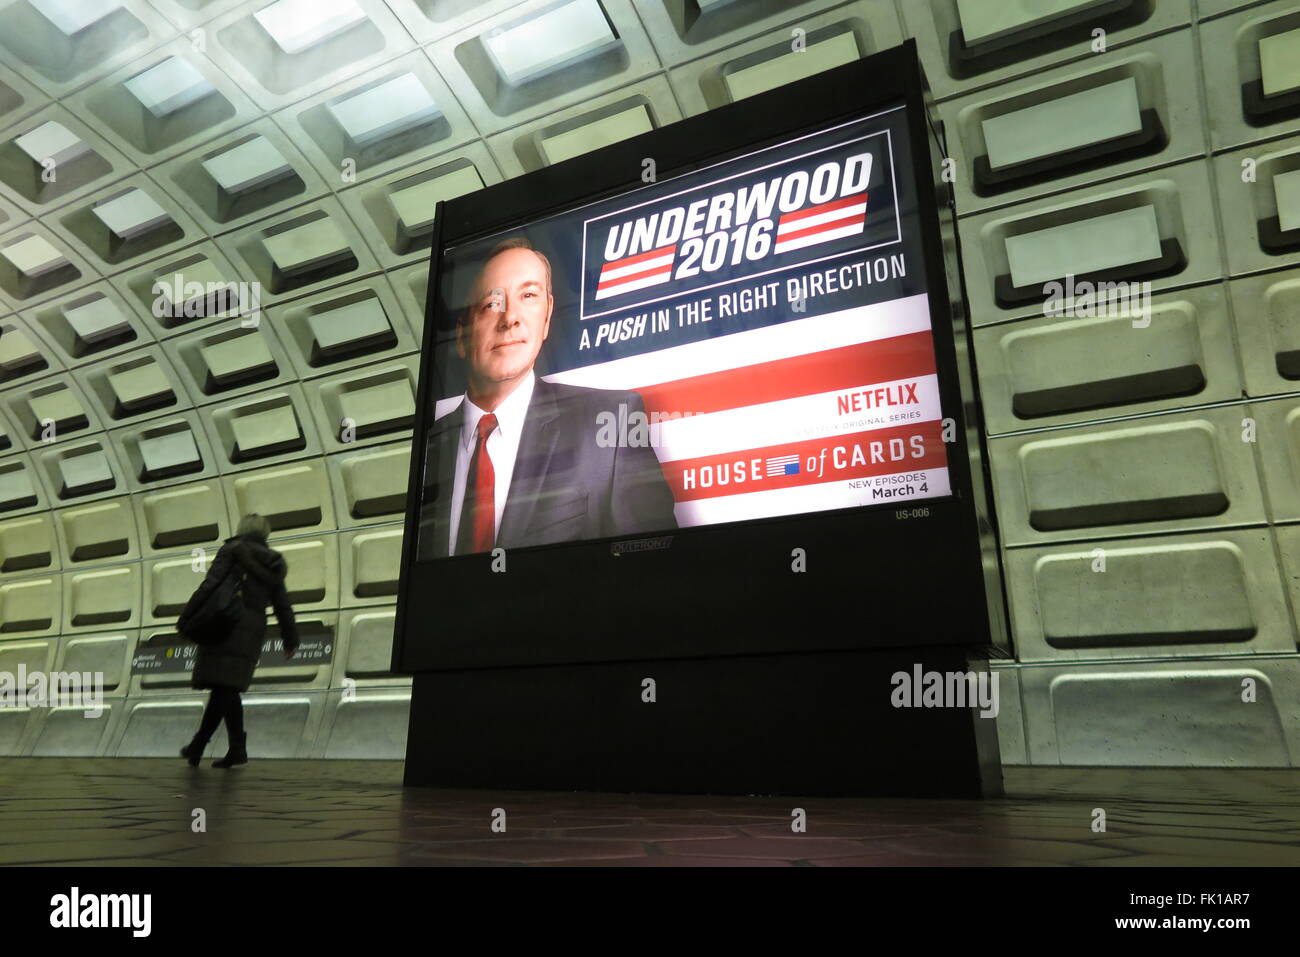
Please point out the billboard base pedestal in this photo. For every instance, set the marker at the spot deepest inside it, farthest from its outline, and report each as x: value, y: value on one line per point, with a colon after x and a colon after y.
x: 818, y: 724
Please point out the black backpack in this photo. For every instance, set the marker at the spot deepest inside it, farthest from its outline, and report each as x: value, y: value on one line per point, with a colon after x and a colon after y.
x: 212, y: 620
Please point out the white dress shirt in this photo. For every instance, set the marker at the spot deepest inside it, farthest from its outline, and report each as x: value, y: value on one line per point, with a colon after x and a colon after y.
x: 502, y: 448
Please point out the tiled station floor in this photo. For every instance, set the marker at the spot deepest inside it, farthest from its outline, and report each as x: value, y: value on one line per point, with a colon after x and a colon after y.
x: 115, y: 811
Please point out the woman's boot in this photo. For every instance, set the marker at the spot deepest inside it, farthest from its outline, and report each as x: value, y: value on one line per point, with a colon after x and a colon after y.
x: 236, y: 754
x: 193, y: 752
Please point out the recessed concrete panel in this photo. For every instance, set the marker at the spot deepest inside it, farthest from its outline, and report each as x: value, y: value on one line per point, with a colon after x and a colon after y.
x: 343, y: 327
x: 102, y: 598
x: 293, y: 497
x: 1108, y: 228
x: 138, y: 386
x: 564, y: 144
x: 130, y: 220
x: 312, y: 579
x: 106, y: 656
x: 36, y: 264
x: 52, y: 141
x: 53, y: 157
x: 62, y: 44
x: 79, y: 472
x: 93, y: 321
x: 1162, y: 714
x: 102, y: 531
x: 413, y: 201
x: 379, y: 121
x: 306, y: 47
x: 1050, y: 34
x: 19, y: 490
x: 29, y: 605
x: 256, y: 172
x: 1137, y: 108
x: 159, y: 728
x: 1194, y: 594
x: 165, y: 102
x: 1104, y: 112
x: 1246, y: 81
x: 1146, y: 355
x: 1267, y: 313
x: 27, y: 543
x: 190, y: 289
x: 768, y: 69
x: 767, y: 57
x: 21, y: 354
x: 235, y: 361
x: 90, y: 324
x: 371, y: 562
x: 351, y: 327
x: 496, y: 100
x: 370, y: 725
x: 372, y: 482
x: 694, y: 31
x: 312, y: 247
x: 395, y: 212
x: 373, y: 404
x: 261, y: 429
x: 74, y: 732
x: 1278, y: 424
x: 981, y: 22
x: 229, y: 359
x: 1250, y: 197
x: 389, y: 108
x: 183, y: 517
x: 52, y: 409
x: 1161, y: 474
x: 523, y: 149
x: 173, y: 452
x: 29, y: 656
x: 164, y: 451
x: 168, y: 585
x: 14, y: 723
x: 368, y: 638
x: 1084, y: 246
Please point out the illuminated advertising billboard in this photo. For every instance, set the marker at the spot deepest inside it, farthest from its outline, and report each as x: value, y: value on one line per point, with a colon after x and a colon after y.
x: 680, y: 382
x: 749, y: 341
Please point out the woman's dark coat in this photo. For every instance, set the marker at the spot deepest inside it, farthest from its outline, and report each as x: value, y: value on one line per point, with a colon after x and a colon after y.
x: 231, y: 662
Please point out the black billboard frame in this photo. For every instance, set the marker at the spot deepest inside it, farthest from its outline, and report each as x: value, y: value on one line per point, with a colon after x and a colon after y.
x: 458, y: 691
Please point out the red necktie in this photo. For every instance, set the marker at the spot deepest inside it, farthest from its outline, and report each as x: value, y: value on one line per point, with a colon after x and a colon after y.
x: 478, y: 514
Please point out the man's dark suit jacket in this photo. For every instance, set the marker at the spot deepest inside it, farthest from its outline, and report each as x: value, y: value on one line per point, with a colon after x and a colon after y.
x: 565, y: 486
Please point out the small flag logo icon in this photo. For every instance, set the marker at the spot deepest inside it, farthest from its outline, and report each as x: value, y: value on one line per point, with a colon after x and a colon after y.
x: 783, y: 465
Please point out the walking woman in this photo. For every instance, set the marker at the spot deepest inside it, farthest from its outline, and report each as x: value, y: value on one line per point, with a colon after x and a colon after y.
x: 227, y: 667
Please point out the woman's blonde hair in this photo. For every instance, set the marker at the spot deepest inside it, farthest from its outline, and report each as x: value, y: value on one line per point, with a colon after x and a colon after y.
x: 254, y: 524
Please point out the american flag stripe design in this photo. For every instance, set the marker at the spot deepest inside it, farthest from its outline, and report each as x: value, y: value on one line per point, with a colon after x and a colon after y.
x: 825, y: 371
x: 783, y: 465
x: 747, y: 427
x: 822, y: 223
x: 636, y: 272
x: 773, y: 393
x: 797, y: 337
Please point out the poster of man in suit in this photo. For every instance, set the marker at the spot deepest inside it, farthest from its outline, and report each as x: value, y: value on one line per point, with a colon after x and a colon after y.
x: 522, y: 461
x: 747, y: 341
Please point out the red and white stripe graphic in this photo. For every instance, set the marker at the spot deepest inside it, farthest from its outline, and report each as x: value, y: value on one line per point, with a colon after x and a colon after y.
x: 851, y: 398
x: 822, y: 223
x: 636, y: 272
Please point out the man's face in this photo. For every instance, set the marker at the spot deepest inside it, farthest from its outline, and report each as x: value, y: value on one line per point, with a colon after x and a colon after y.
x: 508, y: 319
